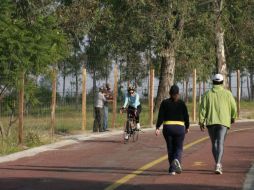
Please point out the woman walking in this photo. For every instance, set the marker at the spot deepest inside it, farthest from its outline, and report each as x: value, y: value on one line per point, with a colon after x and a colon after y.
x: 173, y: 114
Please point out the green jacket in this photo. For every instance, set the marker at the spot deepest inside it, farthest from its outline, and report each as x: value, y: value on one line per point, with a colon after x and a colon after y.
x: 217, y: 107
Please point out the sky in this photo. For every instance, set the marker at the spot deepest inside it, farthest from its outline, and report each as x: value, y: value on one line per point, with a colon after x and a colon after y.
x: 70, y: 85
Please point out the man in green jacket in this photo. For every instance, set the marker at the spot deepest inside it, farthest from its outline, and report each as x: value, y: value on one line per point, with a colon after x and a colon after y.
x: 217, y: 111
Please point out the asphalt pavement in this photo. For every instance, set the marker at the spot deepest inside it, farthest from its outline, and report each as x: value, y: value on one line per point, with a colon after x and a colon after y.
x: 103, y: 161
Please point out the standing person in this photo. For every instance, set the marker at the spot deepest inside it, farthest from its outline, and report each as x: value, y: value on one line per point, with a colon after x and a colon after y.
x: 173, y: 114
x: 98, y: 110
x: 217, y: 111
x: 132, y: 99
x: 109, y: 98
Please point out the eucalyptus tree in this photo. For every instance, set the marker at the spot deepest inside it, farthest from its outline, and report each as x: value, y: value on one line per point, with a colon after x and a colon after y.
x: 196, y: 50
x: 166, y: 22
x: 129, y: 28
x: 77, y: 19
x: 246, y: 34
x: 153, y: 26
x: 219, y: 40
x: 97, y: 61
x: 239, y: 38
x: 30, y: 43
x: 6, y: 28
x: 227, y: 42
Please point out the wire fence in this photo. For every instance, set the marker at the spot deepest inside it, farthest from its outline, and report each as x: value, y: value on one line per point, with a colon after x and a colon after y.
x: 68, y: 111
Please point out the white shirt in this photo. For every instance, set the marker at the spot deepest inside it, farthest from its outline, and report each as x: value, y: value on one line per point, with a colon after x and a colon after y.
x: 100, y: 99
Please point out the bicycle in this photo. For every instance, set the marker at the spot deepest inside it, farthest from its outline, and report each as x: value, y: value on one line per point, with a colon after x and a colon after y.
x: 130, y: 126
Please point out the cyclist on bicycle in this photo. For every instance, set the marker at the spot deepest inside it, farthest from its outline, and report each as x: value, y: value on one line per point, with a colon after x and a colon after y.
x: 134, y: 106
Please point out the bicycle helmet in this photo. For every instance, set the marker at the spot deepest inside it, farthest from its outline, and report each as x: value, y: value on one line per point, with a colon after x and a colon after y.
x: 131, y: 88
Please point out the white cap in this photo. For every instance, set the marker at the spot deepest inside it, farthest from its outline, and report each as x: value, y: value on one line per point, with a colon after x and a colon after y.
x: 218, y: 78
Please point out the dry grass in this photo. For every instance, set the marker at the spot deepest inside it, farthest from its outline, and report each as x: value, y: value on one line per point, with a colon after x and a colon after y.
x: 68, y: 121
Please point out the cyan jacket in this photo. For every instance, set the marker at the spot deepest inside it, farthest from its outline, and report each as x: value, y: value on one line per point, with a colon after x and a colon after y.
x: 218, y: 106
x: 133, y: 101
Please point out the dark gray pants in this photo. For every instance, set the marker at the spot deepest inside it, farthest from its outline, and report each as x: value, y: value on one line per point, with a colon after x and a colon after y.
x: 217, y: 135
x: 98, y: 113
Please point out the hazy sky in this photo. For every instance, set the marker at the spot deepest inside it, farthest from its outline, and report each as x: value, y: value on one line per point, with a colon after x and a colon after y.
x: 70, y: 84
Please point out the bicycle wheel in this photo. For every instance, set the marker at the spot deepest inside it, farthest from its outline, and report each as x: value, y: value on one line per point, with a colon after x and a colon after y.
x: 124, y: 139
x: 135, y: 133
x: 127, y: 131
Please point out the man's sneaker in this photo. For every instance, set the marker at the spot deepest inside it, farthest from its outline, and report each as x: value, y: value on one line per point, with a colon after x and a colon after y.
x: 218, y: 169
x: 126, y: 137
x: 172, y: 173
x: 138, y: 126
x: 177, y: 166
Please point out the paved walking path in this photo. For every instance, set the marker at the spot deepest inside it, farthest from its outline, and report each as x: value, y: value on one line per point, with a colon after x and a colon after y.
x: 104, y: 162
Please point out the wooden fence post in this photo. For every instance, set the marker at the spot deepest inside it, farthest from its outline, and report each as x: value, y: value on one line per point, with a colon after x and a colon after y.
x: 115, y: 96
x: 238, y: 93
x: 194, y: 79
x: 21, y: 108
x: 186, y: 91
x: 53, y: 103
x: 83, y: 98
x: 183, y: 94
x: 151, y: 96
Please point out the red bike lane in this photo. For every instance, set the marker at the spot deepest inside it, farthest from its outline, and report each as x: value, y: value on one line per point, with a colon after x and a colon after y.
x: 198, y: 166
x: 99, y: 163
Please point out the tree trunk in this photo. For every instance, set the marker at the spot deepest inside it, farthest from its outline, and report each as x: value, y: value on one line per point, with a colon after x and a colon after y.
x: 241, y: 86
x: 219, y: 41
x: 166, y: 79
x: 167, y: 71
x: 106, y: 80
x: 21, y: 109
x: 2, y: 132
x: 53, y: 102
x: 64, y: 79
x: 220, y: 55
x: 2, y: 91
x: 94, y: 86
x: 76, y: 93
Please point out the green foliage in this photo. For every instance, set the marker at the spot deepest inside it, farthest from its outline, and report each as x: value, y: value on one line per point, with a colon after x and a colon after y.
x: 134, y: 69
x: 98, y: 60
x: 98, y: 33
x: 197, y: 48
x: 32, y: 139
x: 239, y: 35
x: 29, y: 45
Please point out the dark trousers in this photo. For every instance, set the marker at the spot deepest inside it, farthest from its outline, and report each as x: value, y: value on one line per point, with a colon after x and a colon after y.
x: 97, y: 119
x: 174, y: 137
x: 132, y: 109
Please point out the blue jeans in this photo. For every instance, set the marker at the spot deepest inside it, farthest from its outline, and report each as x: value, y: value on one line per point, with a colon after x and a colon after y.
x: 105, y: 117
x: 174, y: 137
x: 217, y: 135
